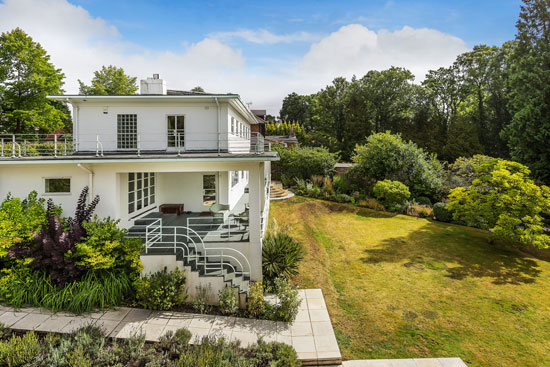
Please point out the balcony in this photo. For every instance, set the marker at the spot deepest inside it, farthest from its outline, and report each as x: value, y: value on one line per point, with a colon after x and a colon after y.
x: 135, y: 144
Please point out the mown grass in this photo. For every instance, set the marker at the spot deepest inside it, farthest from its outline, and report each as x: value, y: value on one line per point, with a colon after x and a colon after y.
x: 404, y: 287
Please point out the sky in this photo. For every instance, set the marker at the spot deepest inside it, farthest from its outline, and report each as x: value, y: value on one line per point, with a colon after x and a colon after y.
x: 262, y: 50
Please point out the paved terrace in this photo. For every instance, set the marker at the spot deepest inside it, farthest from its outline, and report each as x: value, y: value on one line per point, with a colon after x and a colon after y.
x: 311, y: 334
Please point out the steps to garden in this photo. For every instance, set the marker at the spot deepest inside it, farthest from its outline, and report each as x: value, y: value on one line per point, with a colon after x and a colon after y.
x: 278, y: 193
x: 311, y: 335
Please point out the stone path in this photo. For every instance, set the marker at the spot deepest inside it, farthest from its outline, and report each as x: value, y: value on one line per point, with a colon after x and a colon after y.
x: 311, y: 334
x: 417, y: 362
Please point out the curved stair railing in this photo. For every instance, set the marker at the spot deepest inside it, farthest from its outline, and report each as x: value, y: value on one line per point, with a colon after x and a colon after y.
x: 155, y: 239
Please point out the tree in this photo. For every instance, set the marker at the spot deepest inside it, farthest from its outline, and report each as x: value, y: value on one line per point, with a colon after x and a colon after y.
x: 506, y: 201
x: 528, y: 133
x: 198, y: 89
x: 297, y: 108
x: 388, y: 156
x: 27, y: 77
x: 109, y: 80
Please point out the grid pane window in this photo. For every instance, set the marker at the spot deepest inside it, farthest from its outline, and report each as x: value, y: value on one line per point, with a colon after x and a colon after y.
x: 127, y: 131
x: 141, y: 190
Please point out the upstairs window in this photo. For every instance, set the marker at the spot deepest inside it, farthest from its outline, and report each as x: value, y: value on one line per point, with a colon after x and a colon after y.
x: 127, y: 131
x: 233, y: 125
x: 176, y: 131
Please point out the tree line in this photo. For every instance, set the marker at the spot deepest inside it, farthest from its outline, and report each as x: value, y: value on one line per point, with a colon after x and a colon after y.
x: 492, y: 100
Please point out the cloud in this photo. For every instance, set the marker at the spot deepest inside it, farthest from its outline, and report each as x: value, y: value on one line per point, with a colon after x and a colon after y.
x: 354, y: 50
x: 262, y: 36
x: 79, y: 44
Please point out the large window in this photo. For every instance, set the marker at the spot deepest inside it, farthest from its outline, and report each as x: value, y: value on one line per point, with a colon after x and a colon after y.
x: 176, y: 131
x: 127, y: 131
x: 141, y: 190
x: 234, y: 178
x: 57, y: 185
x: 209, y: 190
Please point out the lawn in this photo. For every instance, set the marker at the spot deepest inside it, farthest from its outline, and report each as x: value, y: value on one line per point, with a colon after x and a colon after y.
x: 404, y: 287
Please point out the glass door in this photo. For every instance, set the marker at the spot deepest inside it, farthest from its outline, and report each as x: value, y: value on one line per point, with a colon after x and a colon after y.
x: 209, y: 190
x: 176, y: 131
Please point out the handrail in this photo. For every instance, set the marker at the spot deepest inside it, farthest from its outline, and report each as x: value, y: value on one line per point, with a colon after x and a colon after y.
x: 155, y: 234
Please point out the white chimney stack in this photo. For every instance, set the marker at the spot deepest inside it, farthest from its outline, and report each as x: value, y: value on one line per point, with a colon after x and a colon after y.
x: 153, y: 85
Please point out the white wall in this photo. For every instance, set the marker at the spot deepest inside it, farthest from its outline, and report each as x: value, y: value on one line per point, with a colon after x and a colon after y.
x: 237, y: 144
x: 201, y: 130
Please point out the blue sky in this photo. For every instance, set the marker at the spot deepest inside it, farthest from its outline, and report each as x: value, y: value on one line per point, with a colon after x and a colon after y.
x: 260, y: 49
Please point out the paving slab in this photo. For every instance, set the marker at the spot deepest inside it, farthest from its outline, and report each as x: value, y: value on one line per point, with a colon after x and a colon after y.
x: 30, y: 322
x: 77, y: 323
x: 115, y: 314
x: 54, y: 324
x: 11, y: 317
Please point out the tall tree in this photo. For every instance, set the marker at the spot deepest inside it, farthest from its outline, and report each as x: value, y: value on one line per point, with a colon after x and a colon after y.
x: 529, y: 132
x: 297, y: 108
x: 110, y: 80
x: 27, y: 77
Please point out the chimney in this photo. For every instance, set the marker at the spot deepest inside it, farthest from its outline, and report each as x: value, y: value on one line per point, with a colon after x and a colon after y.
x: 153, y: 85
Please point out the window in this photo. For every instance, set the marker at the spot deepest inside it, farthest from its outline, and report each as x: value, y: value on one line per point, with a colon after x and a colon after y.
x: 176, y: 131
x: 141, y: 190
x: 126, y: 131
x: 234, y: 178
x: 233, y: 125
x: 57, y: 185
x: 209, y: 190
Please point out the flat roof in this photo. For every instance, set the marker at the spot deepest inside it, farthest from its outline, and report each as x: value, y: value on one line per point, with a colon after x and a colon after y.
x: 145, y: 158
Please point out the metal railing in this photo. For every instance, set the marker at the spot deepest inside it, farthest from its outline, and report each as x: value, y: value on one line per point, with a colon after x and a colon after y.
x: 56, y: 145
x: 178, y: 238
x: 208, y: 227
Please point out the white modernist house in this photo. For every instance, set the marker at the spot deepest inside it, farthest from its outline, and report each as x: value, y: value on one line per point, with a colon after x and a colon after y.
x: 183, y: 171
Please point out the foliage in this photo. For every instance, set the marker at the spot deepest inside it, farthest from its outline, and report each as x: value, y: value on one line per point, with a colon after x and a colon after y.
x: 228, y: 301
x: 505, y: 200
x: 19, y: 350
x: 20, y: 220
x: 288, y: 301
x: 465, y: 170
x: 285, y: 128
x: 529, y: 83
x: 281, y: 255
x: 27, y: 77
x: 110, y: 80
x: 297, y: 108
x: 388, y: 156
x: 55, y: 246
x: 94, y: 290
x: 162, y: 290
x: 256, y: 303
x: 273, y: 354
x: 202, y: 298
x: 305, y: 162
x: 104, y: 247
x: 393, y: 194
x: 441, y: 213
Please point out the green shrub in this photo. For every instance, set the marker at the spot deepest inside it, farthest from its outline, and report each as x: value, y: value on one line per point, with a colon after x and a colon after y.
x: 288, y: 301
x: 422, y: 200
x: 228, y: 301
x: 273, y: 354
x: 441, y: 213
x: 19, y: 350
x: 213, y: 352
x: 388, y: 157
x: 95, y: 290
x: 342, y: 198
x: 20, y: 220
x: 174, y: 343
x: 392, y: 194
x: 105, y: 247
x: 202, y: 298
x: 304, y: 162
x: 162, y: 290
x: 256, y: 303
x: 341, y: 185
x: 506, y: 201
x: 281, y: 255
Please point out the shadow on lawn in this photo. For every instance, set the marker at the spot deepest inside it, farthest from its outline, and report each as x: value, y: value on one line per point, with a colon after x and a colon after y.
x: 438, y: 247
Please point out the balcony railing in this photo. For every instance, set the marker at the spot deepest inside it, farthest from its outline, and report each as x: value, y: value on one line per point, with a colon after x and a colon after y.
x: 59, y: 145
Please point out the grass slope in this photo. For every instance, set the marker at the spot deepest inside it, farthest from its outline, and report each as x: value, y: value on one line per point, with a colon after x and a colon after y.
x: 404, y: 287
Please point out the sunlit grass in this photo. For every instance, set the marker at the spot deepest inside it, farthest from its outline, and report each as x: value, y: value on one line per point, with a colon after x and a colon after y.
x: 403, y: 287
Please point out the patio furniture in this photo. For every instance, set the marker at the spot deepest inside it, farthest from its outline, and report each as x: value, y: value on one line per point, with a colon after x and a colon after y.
x: 219, y: 210
x: 172, y: 209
